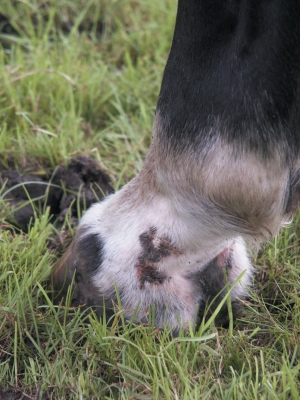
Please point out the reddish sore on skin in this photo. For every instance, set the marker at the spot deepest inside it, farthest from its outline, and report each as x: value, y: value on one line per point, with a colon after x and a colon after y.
x: 224, y: 259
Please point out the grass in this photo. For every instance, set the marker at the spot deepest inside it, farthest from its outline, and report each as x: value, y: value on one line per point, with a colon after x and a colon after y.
x: 79, y: 76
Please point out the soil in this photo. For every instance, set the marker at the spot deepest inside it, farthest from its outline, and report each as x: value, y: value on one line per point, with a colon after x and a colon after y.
x: 65, y: 189
x: 13, y: 394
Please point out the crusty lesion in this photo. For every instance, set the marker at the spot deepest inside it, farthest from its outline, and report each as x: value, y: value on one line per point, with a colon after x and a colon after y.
x: 154, y: 249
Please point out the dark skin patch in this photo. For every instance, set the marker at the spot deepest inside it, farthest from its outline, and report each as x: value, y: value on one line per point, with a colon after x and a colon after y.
x: 78, y: 265
x: 211, y: 283
x: 89, y: 253
x: 154, y: 250
x: 293, y: 195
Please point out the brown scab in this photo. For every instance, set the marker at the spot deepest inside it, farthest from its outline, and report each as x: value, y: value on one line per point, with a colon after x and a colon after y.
x: 149, y: 273
x: 154, y: 250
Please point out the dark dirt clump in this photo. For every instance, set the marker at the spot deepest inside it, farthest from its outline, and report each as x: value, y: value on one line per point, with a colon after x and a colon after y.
x: 66, y: 189
x: 13, y: 394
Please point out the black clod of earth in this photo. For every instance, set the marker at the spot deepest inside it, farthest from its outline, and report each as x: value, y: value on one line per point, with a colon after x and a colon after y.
x: 66, y: 188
